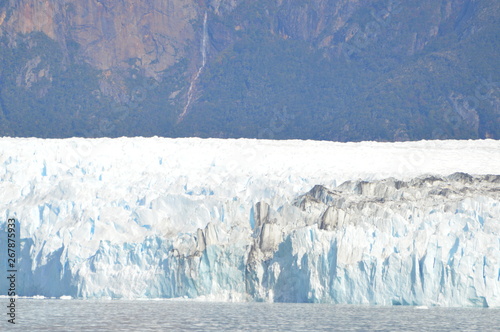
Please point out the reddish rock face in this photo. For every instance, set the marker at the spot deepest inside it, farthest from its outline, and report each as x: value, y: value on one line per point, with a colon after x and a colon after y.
x: 387, y: 43
x: 111, y: 32
x: 160, y: 32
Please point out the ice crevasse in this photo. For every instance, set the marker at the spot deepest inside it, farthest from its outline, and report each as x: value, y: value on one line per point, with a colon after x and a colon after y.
x: 413, y: 223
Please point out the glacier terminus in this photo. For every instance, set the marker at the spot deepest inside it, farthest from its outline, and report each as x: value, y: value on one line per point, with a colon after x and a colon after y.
x: 406, y: 223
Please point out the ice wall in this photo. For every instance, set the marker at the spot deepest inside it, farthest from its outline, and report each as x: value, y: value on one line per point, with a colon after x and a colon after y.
x: 377, y: 223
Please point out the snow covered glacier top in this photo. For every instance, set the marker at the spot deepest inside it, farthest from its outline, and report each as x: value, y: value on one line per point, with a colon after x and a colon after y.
x: 379, y: 223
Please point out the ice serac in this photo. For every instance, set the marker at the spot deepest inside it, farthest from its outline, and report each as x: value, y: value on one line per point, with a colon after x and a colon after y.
x: 413, y: 223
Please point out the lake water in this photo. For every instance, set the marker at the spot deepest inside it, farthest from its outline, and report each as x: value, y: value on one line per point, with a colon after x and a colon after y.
x: 170, y: 315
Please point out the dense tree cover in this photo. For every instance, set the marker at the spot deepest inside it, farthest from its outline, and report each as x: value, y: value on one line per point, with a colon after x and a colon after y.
x: 46, y: 93
x: 390, y: 81
x: 375, y: 89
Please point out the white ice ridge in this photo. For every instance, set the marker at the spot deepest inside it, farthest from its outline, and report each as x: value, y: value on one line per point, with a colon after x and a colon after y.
x: 377, y: 223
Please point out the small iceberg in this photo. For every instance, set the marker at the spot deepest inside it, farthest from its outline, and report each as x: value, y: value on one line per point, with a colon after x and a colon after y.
x: 422, y: 307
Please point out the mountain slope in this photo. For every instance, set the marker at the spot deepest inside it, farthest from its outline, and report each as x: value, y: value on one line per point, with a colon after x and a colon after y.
x: 334, y: 70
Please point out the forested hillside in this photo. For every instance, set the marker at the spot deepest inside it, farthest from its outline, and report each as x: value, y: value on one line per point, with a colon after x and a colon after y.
x: 332, y: 70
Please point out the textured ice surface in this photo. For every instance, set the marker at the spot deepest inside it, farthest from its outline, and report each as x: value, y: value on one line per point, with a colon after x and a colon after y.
x: 377, y: 223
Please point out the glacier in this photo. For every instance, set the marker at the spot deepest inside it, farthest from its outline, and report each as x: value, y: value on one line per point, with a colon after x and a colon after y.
x: 406, y: 223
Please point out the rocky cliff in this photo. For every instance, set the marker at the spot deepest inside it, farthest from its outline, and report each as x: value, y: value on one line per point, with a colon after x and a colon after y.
x: 111, y: 33
x: 344, y: 53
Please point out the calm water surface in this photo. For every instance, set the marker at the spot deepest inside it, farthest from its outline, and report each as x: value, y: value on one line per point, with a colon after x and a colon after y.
x: 78, y: 315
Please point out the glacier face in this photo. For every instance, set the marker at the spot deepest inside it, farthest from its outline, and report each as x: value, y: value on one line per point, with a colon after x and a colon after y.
x: 294, y: 221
